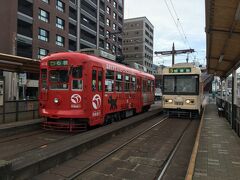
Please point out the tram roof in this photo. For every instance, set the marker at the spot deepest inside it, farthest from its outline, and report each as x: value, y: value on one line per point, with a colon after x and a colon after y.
x: 18, y: 64
x: 223, y: 36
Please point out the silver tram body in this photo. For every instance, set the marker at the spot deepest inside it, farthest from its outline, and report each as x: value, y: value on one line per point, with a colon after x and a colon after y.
x: 182, y: 90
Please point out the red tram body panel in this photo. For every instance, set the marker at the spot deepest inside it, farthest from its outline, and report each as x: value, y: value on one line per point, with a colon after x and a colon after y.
x: 79, y: 90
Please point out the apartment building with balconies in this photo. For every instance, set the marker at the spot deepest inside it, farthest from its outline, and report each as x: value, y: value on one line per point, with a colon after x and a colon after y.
x: 36, y: 28
x: 138, y: 42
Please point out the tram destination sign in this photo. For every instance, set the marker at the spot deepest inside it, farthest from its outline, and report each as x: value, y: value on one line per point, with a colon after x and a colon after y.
x: 179, y: 70
x: 58, y: 62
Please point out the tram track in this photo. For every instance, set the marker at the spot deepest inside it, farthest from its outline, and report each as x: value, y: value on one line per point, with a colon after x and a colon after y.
x: 81, y: 174
x: 29, y: 155
x: 14, y: 146
x: 167, y: 163
x: 105, y: 164
x: 115, y: 150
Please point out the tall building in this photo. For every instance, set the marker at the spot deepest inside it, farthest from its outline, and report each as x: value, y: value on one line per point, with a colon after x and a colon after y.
x: 34, y: 28
x: 138, y: 42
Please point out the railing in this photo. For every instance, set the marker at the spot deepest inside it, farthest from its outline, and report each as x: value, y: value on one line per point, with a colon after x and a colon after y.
x: 232, y: 114
x: 13, y: 111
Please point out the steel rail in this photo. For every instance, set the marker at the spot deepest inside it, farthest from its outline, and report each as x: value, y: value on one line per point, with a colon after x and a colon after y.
x: 172, y: 153
x: 76, y: 174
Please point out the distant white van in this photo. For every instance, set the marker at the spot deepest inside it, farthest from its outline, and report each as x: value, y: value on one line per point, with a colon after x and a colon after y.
x: 158, y: 94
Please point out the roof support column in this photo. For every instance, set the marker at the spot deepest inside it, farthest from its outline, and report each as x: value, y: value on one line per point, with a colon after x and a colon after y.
x: 234, y: 98
x: 234, y: 87
x: 225, y: 88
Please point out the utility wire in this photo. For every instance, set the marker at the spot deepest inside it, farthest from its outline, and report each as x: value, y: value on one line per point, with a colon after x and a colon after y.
x: 183, y: 32
x: 180, y: 30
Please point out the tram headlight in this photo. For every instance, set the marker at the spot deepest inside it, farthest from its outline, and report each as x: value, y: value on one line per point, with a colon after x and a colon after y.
x: 188, y: 101
x: 168, y: 100
x: 56, y: 100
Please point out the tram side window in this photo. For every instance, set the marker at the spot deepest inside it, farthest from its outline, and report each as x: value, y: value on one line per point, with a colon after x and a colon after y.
x: 94, y: 79
x: 138, y: 85
x: 77, y: 72
x: 127, y: 83
x: 119, y: 82
x: 99, y: 80
x: 44, y: 78
x: 77, y: 83
x: 148, y: 86
x: 133, y: 83
x: 109, y: 82
x: 152, y: 86
x: 144, y: 86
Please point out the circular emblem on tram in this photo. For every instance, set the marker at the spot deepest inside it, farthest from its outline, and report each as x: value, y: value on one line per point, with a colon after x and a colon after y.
x: 76, y: 98
x: 96, y: 101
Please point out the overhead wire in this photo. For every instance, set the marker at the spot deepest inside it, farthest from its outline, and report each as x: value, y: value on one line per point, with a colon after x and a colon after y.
x: 180, y: 30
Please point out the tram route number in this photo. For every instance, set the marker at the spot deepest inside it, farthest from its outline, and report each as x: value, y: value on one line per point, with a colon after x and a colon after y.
x: 96, y: 113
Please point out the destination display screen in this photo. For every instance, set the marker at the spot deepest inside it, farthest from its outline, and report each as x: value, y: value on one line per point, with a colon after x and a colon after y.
x: 179, y: 70
x: 58, y: 62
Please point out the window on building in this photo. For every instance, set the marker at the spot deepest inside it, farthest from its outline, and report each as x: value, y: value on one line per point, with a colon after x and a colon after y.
x: 114, y: 38
x: 113, y: 49
x: 114, y: 4
x: 108, y: 10
x: 108, y: 22
x: 60, y: 23
x: 60, y: 5
x: 46, y: 1
x: 43, y: 34
x: 43, y: 15
x: 107, y: 33
x: 107, y: 46
x: 73, y: 1
x: 114, y: 26
x: 59, y: 40
x: 114, y: 15
x: 42, y: 53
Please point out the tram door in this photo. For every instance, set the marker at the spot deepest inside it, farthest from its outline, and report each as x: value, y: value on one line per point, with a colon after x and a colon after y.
x: 97, y: 92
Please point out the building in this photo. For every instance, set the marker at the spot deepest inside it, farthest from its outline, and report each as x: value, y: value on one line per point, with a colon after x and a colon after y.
x: 138, y: 42
x: 35, y: 28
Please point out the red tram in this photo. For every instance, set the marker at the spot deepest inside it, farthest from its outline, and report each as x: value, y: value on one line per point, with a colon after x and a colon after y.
x: 79, y: 90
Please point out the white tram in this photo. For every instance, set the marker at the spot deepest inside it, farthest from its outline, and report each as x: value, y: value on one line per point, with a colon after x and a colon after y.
x: 182, y: 90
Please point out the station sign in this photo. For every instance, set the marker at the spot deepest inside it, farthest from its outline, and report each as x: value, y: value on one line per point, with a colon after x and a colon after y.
x: 22, y: 79
x: 58, y: 62
x: 179, y: 70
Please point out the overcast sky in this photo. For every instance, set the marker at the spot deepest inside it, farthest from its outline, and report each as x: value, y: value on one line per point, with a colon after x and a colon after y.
x: 191, y: 14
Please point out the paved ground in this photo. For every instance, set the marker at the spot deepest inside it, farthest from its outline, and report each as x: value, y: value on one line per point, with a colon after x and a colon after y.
x: 218, y: 155
x: 141, y: 159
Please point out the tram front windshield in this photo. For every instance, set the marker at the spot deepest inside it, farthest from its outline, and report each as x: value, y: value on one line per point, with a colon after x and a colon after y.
x: 58, y: 79
x: 181, y: 84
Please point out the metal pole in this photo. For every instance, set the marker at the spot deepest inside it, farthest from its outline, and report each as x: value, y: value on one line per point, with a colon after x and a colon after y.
x: 173, y: 54
x: 78, y: 23
x: 98, y: 24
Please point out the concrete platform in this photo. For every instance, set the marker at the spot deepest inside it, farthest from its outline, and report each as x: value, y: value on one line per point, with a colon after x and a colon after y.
x: 13, y: 128
x: 218, y: 152
x: 38, y: 160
